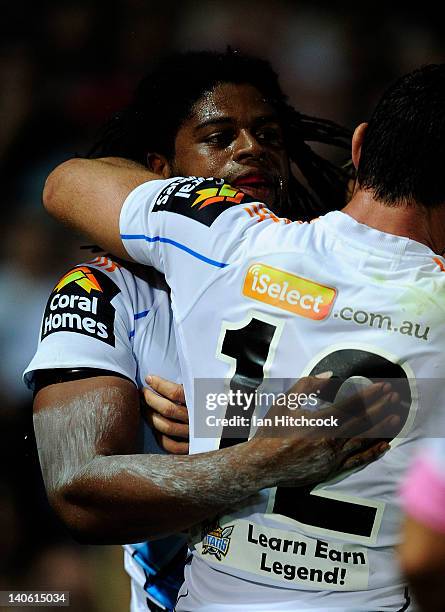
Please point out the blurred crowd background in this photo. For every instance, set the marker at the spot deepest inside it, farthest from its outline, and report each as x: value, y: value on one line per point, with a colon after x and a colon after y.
x: 65, y: 66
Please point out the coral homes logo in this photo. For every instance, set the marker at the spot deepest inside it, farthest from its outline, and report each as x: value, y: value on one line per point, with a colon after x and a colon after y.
x: 82, y: 276
x: 81, y: 303
x: 287, y: 291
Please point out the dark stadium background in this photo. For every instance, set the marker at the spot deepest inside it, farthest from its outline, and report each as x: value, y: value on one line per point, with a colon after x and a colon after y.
x: 64, y: 67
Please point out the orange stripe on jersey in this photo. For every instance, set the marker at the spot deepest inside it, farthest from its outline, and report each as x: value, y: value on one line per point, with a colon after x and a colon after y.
x: 439, y: 263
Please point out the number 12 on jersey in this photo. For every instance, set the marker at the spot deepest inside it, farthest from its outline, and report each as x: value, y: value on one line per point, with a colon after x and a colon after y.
x: 249, y: 347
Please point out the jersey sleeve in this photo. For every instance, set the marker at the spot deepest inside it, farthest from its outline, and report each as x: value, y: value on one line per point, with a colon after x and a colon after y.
x: 86, y: 324
x: 188, y: 228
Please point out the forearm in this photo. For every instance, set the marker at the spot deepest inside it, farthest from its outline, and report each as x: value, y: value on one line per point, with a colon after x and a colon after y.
x: 125, y: 498
x: 86, y: 434
x: 87, y: 195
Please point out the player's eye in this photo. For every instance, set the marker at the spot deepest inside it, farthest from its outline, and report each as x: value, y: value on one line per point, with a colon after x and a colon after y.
x: 270, y: 135
x: 222, y: 138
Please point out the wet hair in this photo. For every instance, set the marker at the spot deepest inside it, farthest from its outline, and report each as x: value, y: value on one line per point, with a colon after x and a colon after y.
x: 165, y: 99
x: 403, y: 149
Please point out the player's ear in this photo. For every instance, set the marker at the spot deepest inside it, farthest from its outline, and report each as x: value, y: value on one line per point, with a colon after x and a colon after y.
x: 159, y: 164
x: 357, y: 141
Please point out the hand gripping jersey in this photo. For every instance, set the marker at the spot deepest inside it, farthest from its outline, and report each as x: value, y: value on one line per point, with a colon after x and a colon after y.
x: 284, y: 300
x: 102, y: 315
x: 423, y: 492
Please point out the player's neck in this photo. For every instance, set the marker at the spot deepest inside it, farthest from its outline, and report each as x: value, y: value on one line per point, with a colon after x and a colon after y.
x: 426, y: 226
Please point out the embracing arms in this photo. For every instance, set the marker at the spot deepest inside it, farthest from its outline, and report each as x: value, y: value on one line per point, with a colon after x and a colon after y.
x: 105, y: 492
x: 102, y: 485
x: 88, y: 194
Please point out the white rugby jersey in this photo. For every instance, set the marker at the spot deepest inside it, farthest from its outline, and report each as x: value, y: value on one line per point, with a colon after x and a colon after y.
x: 103, y: 315
x: 255, y: 299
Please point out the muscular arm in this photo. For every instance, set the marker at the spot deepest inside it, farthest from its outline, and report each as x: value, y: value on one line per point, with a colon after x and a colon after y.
x: 87, y: 195
x: 86, y: 432
x: 104, y: 492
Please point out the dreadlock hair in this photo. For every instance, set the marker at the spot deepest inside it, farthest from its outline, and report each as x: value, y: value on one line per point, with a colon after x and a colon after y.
x: 165, y: 99
x: 403, y: 149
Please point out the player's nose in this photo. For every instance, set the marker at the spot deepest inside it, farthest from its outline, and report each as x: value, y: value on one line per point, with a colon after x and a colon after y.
x: 246, y: 146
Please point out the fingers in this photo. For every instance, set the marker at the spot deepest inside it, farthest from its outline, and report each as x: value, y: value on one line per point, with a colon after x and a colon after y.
x: 171, y: 390
x: 169, y: 427
x: 173, y: 446
x: 367, y: 455
x: 358, y: 445
x: 374, y: 418
x: 311, y: 384
x: 375, y: 409
x: 167, y: 414
x: 165, y: 407
x: 353, y: 414
x: 360, y: 401
x: 389, y: 427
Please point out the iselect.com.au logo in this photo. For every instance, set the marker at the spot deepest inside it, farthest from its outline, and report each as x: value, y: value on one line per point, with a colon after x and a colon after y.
x: 301, y: 296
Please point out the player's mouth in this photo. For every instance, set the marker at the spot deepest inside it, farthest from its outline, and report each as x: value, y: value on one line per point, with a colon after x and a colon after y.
x: 258, y: 186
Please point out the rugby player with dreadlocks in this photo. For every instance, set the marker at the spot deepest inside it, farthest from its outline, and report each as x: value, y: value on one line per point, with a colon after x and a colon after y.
x: 106, y: 325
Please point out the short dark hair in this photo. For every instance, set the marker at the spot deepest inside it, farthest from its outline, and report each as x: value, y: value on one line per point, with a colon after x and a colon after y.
x: 165, y: 98
x: 403, y: 152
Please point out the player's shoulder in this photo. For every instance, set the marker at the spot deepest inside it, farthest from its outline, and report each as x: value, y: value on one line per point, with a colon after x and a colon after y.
x: 83, y: 300
x: 270, y: 233
x: 201, y: 199
x: 128, y: 276
x: 134, y: 284
x: 101, y: 277
x: 92, y: 294
x: 100, y: 274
